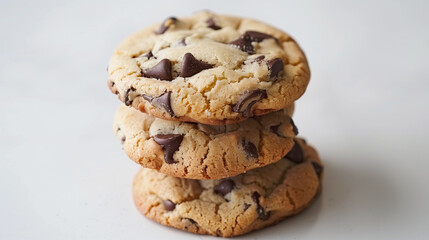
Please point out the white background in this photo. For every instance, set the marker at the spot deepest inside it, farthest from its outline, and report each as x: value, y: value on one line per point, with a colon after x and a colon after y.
x: 63, y: 175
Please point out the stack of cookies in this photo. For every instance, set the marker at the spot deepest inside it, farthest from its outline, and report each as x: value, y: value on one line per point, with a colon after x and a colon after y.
x: 208, y: 104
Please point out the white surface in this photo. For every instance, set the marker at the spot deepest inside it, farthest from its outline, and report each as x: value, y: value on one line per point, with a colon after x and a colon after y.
x: 63, y: 174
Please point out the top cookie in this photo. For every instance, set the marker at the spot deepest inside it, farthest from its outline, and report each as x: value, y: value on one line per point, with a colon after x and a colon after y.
x: 208, y: 68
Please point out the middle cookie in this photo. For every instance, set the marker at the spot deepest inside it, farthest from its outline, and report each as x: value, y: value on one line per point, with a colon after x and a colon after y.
x: 199, y: 151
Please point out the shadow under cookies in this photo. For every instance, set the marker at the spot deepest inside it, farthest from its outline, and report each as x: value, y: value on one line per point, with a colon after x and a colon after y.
x: 351, y: 192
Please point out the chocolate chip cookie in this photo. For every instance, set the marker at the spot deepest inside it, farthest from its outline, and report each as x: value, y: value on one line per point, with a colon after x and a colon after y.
x: 199, y: 151
x: 232, y: 206
x: 208, y: 68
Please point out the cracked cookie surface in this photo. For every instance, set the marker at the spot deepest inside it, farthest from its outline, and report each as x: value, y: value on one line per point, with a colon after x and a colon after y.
x: 208, y: 68
x: 199, y: 151
x: 231, y: 206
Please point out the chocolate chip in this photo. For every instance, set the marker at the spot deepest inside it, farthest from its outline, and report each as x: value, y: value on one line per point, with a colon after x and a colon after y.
x: 170, y: 143
x: 260, y: 210
x: 275, y: 66
x: 148, y: 55
x: 262, y: 214
x: 168, y: 205
x: 163, y: 101
x: 275, y: 129
x: 182, y: 42
x: 255, y: 36
x: 246, y: 206
x: 224, y: 187
x: 211, y: 24
x: 295, y: 154
x: 294, y: 128
x: 127, y: 100
x: 318, y: 168
x: 244, y: 42
x: 255, y: 197
x: 112, y: 87
x: 190, y: 220
x: 249, y: 148
x: 258, y: 59
x: 166, y: 24
x: 123, y: 139
x: 192, y: 66
x: 246, y: 102
x: 161, y: 71
x: 148, y: 98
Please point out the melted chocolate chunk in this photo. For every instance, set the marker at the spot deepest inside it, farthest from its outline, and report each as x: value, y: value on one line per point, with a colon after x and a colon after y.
x: 255, y: 36
x: 161, y: 71
x: 148, y: 55
x: 166, y: 24
x: 192, y: 66
x: 258, y: 59
x: 296, y: 154
x: 211, y: 24
x: 127, y: 100
x: 261, y: 212
x: 246, y: 206
x: 294, y: 128
x: 224, y: 187
x: 275, y: 129
x: 246, y: 102
x: 249, y: 148
x: 244, y: 42
x: 162, y: 102
x: 170, y: 143
x: 168, y: 205
x: 318, y: 168
x: 123, y: 139
x: 255, y: 197
x: 275, y: 66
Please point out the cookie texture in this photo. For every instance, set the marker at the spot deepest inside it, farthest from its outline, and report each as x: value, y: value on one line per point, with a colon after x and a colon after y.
x: 231, y: 206
x: 199, y: 151
x: 208, y: 68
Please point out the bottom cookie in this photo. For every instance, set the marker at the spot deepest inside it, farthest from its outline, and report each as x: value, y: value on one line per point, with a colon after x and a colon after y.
x: 232, y: 206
